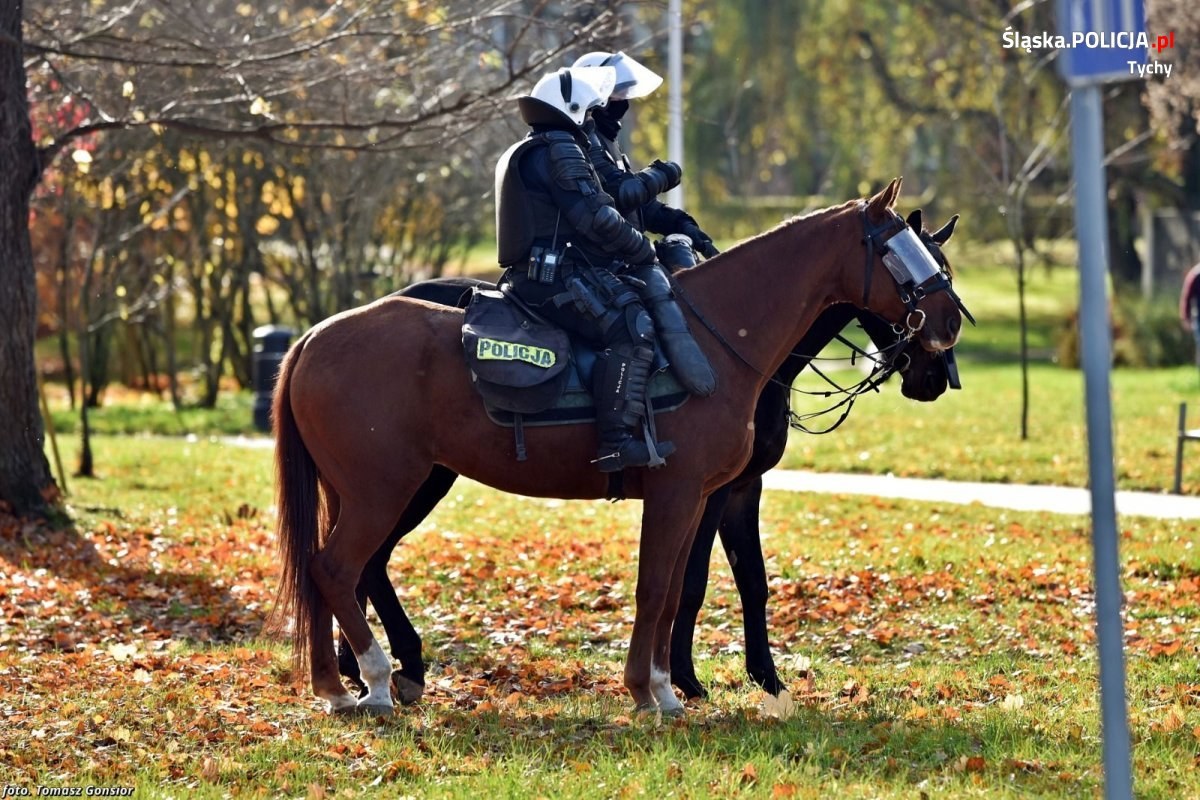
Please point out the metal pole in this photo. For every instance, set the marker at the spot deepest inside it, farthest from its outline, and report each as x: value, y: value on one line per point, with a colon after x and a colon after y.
x: 1091, y: 229
x: 675, y: 94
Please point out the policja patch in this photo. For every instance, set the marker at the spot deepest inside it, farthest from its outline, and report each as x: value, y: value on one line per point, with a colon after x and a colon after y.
x: 498, y: 350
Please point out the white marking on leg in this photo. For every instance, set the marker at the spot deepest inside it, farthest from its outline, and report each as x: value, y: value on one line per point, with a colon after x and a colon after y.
x: 660, y: 687
x: 339, y: 702
x: 376, y: 672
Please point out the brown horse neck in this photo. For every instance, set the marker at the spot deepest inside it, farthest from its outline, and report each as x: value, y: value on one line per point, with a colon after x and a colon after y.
x: 763, y: 294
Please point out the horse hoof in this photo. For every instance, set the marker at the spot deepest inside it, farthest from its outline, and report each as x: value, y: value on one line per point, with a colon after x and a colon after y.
x: 690, y: 686
x: 674, y: 713
x: 406, y: 689
x: 645, y: 709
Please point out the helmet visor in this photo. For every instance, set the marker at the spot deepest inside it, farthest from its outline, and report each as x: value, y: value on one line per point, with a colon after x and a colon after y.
x: 597, y: 85
x: 633, y: 80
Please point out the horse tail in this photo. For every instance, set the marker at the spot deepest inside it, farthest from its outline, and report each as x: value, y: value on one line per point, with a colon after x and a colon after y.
x: 303, y: 521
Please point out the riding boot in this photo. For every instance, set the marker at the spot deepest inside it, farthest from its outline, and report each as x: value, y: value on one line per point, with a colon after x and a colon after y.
x: 620, y: 381
x: 688, y: 361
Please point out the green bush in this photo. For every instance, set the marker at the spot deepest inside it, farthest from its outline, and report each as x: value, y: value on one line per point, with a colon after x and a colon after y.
x: 1146, y: 333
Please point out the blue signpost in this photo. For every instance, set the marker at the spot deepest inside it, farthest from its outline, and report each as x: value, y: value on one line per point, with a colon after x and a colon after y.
x: 1112, y: 26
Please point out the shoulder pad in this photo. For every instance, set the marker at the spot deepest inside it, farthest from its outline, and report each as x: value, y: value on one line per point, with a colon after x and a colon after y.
x: 569, y: 166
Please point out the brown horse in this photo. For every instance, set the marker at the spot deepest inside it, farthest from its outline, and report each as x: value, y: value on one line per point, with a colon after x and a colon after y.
x: 370, y: 400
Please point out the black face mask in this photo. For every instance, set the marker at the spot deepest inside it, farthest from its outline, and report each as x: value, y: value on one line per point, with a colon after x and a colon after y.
x: 608, y: 118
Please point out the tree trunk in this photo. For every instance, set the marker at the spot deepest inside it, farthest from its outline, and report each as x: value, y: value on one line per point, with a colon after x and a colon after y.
x: 1124, y: 263
x: 87, y: 464
x: 24, y: 470
x: 64, y: 297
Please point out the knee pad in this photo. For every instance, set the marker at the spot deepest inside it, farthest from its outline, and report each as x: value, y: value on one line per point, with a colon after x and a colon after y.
x: 658, y: 285
x: 641, y: 327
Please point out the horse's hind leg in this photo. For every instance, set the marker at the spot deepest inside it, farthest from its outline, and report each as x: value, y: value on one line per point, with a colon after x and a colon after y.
x: 695, y: 585
x: 361, y: 527
x: 405, y: 642
x: 743, y: 546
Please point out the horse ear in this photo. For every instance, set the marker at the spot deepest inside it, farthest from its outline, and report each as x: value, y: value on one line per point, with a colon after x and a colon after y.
x: 914, y: 220
x: 884, y: 200
x: 943, y: 235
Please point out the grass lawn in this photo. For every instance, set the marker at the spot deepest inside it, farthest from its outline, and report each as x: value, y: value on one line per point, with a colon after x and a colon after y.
x: 932, y: 650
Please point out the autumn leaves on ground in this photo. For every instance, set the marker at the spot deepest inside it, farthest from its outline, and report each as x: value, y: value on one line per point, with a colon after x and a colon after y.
x: 941, y: 650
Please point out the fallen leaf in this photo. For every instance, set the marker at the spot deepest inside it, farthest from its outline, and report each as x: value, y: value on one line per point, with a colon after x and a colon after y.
x: 1012, y: 702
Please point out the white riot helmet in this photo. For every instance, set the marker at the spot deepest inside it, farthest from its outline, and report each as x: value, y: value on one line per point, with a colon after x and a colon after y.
x: 567, y: 95
x: 633, y: 80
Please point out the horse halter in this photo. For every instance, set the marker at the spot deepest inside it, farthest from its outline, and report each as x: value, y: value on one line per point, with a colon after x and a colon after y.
x: 916, y: 273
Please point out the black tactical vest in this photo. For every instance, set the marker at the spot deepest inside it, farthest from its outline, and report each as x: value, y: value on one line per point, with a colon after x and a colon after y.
x: 524, y: 216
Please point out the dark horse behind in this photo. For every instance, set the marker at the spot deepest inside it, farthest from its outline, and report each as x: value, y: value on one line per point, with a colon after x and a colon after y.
x: 371, y: 400
x: 731, y: 511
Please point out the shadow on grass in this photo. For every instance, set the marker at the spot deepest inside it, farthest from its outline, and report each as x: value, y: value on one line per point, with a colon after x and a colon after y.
x: 63, y: 592
x: 814, y: 746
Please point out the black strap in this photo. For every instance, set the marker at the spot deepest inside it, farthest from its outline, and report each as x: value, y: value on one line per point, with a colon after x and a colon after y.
x: 519, y: 436
x: 677, y: 288
x: 616, y: 486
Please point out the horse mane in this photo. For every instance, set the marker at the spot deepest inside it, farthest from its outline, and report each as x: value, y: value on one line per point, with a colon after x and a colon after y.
x: 771, y: 233
x: 812, y: 216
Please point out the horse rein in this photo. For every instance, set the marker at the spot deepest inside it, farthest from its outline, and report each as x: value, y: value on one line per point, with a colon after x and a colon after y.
x: 886, y: 365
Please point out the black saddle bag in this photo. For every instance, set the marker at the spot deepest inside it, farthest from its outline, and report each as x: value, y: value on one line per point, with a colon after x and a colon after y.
x: 517, y: 363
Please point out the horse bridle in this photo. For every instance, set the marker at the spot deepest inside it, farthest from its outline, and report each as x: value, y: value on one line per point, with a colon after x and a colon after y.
x: 916, y: 273
x: 914, y: 281
x: 928, y: 277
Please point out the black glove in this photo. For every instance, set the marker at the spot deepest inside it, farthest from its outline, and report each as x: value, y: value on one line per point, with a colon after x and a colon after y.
x: 700, y: 241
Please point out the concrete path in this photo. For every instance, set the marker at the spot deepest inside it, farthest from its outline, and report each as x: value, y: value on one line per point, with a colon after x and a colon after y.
x: 1020, y: 497
x: 1016, y: 496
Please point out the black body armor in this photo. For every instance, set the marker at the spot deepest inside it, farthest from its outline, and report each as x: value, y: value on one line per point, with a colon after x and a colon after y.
x: 548, y: 195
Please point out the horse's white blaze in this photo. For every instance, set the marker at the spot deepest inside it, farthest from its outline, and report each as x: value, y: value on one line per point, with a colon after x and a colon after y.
x: 376, y: 673
x: 660, y: 687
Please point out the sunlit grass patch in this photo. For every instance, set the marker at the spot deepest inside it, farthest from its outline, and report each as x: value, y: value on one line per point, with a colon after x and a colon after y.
x: 928, y: 648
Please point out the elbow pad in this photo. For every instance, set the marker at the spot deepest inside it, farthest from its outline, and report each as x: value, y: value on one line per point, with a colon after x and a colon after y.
x: 620, y: 237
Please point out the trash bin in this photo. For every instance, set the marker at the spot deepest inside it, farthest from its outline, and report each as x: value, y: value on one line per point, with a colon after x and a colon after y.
x: 271, y: 342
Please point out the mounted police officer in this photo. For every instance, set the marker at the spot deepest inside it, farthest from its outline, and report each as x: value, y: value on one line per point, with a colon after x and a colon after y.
x: 635, y: 194
x: 565, y: 247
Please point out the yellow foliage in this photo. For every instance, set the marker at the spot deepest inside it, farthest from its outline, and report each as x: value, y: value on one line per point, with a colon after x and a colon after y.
x: 266, y: 225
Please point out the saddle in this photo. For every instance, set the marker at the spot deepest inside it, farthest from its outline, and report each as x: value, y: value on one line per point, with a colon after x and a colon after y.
x: 531, y: 372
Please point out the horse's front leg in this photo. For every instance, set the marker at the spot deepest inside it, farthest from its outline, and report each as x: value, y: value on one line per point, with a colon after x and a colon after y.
x: 669, y: 521
x: 743, y: 547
